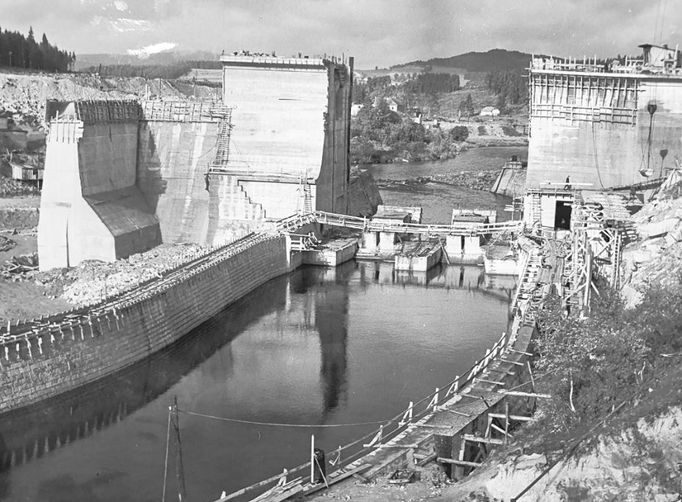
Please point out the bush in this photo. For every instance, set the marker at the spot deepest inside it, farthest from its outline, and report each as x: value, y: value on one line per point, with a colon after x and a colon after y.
x: 589, y: 364
x: 459, y: 133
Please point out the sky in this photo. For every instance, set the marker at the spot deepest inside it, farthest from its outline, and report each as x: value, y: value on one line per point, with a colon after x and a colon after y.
x: 376, y: 32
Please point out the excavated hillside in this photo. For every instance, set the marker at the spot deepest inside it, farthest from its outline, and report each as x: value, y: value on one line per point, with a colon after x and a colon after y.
x: 23, y: 95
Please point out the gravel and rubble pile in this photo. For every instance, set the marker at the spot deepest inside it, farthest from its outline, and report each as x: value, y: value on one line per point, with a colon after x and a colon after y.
x: 92, y: 281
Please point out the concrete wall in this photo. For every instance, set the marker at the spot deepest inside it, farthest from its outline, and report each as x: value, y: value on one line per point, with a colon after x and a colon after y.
x: 290, y: 121
x: 277, y: 118
x: 231, y: 212
x: 333, y: 181
x: 597, y: 148
x: 172, y: 159
x: 55, y: 360
x: 278, y: 200
x: 90, y: 206
x: 511, y: 182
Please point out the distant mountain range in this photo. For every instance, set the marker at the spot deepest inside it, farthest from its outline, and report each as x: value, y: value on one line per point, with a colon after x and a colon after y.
x: 471, y: 62
x: 493, y: 60
x: 161, y: 58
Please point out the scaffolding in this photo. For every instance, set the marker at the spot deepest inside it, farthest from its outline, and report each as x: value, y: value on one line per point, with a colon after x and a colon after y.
x: 599, y: 223
x: 577, y: 97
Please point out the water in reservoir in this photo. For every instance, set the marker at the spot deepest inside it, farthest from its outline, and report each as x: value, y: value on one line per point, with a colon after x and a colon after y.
x: 319, y: 346
x: 437, y: 199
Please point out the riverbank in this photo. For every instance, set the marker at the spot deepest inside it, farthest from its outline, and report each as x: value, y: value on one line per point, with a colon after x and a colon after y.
x: 472, y: 180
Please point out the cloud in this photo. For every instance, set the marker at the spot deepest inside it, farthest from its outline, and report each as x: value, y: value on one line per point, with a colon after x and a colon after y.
x: 147, y: 51
x: 377, y: 32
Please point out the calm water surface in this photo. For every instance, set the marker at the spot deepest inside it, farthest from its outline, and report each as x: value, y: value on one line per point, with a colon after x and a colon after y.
x: 437, y: 200
x: 320, y: 346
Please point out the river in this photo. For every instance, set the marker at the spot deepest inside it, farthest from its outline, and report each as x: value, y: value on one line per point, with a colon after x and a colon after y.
x: 437, y: 199
x: 319, y: 346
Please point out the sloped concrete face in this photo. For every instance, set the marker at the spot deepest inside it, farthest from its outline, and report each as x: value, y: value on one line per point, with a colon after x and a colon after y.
x: 91, y: 208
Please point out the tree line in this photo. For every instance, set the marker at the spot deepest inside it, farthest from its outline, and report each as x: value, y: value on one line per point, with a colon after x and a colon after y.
x: 19, y: 51
x: 422, y: 83
x: 510, y: 86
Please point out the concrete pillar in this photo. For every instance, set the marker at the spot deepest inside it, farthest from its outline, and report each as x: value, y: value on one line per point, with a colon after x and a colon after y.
x: 472, y: 246
x: 386, y: 241
x: 370, y: 241
x: 454, y: 245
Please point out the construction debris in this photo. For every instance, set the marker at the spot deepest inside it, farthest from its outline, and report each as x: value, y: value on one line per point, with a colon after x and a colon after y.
x: 19, y: 267
x: 93, y: 281
x: 6, y: 244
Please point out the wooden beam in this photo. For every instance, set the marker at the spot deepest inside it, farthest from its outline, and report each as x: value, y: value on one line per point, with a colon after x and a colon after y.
x: 480, y: 439
x: 519, y: 418
x: 428, y: 458
x: 525, y: 394
x: 511, y: 362
x: 444, y: 460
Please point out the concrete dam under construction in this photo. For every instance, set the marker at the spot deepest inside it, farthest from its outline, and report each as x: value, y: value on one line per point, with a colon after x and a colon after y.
x: 123, y: 177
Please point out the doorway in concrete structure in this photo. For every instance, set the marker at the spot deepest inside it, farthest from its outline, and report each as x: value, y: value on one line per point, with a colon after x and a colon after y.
x: 562, y: 215
x: 462, y: 242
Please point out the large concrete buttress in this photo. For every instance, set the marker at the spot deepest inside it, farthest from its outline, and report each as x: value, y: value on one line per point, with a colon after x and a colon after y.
x: 289, y: 130
x: 90, y: 206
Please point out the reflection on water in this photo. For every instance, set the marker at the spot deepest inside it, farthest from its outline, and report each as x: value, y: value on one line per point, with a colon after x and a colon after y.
x: 320, y: 346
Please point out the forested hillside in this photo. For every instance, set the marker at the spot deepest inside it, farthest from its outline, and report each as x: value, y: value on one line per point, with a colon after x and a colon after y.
x: 19, y: 51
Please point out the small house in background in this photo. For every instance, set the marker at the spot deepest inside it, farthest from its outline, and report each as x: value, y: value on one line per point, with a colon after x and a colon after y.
x: 27, y: 172
x: 355, y: 109
x: 489, y: 111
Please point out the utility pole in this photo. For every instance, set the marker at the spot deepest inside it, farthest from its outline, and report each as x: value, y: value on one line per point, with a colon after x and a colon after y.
x: 179, y: 469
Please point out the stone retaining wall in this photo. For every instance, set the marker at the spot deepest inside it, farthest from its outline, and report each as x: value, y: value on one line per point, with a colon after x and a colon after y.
x: 38, y: 364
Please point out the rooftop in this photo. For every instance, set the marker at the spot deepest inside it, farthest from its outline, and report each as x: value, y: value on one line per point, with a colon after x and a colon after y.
x: 245, y: 58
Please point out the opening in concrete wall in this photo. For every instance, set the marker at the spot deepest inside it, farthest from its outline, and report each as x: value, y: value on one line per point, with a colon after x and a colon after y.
x: 562, y: 215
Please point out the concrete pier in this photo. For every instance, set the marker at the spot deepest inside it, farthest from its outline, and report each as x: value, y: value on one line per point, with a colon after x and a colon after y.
x: 418, y: 257
x: 332, y: 253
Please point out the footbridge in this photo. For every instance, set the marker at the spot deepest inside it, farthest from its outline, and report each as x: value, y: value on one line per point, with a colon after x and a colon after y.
x: 423, y: 229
